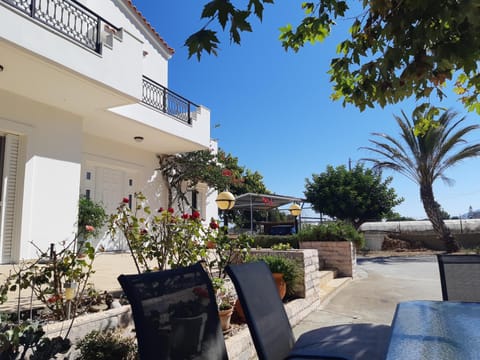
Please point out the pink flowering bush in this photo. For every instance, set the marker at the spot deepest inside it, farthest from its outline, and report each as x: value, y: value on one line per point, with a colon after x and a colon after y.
x: 160, y: 239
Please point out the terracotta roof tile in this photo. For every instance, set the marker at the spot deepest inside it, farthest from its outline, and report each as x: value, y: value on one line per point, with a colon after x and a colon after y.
x: 149, y: 26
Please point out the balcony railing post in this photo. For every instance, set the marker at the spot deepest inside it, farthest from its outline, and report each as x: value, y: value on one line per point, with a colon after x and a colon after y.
x: 164, y: 101
x: 99, y: 33
x: 189, y: 113
x: 32, y: 8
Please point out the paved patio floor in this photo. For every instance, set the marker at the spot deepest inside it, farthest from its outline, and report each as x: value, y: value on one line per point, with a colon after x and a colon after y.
x: 381, y: 284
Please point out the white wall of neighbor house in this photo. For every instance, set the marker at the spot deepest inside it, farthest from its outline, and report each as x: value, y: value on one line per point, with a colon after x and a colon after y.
x: 48, y: 172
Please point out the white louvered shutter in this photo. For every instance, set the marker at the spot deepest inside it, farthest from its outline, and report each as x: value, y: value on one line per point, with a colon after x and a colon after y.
x: 9, y: 184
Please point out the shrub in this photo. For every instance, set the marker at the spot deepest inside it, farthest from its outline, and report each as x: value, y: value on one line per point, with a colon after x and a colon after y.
x: 282, y: 246
x: 267, y: 241
x: 17, y: 341
x: 91, y: 214
x: 107, y: 345
x: 336, y: 231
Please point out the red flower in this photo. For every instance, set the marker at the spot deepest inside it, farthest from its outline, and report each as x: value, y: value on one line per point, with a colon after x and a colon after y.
x: 143, y: 231
x: 170, y: 210
x: 160, y: 210
x: 184, y: 216
x: 200, y: 292
x: 126, y: 200
x: 213, y: 225
x: 89, y: 228
x: 227, y: 172
x: 53, y: 299
x: 196, y: 215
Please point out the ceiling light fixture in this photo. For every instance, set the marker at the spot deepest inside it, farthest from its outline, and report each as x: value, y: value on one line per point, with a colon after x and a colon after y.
x: 138, y: 139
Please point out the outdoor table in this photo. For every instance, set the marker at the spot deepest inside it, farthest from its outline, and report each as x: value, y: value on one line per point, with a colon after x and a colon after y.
x: 437, y: 330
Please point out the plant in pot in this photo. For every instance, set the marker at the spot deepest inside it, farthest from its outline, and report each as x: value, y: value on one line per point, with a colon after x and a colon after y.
x: 226, y: 250
x: 285, y: 272
x: 225, y: 300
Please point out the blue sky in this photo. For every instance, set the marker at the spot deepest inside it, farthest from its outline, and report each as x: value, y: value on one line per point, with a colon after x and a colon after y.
x: 272, y: 108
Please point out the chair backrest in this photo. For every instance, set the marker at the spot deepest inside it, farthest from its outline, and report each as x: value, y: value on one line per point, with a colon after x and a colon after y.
x: 175, y: 314
x: 264, y: 311
x: 460, y: 277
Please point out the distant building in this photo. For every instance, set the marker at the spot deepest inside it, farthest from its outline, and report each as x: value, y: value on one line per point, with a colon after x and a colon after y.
x: 466, y: 231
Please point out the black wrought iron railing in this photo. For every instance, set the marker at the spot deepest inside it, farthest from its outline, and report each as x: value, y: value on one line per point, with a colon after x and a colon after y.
x: 161, y: 99
x: 67, y: 17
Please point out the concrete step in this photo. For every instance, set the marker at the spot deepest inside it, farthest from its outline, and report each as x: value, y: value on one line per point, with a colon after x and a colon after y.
x: 326, y: 276
x: 330, y: 289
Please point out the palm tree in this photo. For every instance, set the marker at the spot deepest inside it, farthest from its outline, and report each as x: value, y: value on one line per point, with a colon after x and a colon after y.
x: 424, y: 158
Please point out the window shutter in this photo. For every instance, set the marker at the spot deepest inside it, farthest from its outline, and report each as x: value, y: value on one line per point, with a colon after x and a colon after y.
x: 8, y: 201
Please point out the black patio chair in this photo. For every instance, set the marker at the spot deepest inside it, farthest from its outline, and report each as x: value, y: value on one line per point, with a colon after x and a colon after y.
x: 460, y: 277
x: 175, y: 314
x: 272, y: 334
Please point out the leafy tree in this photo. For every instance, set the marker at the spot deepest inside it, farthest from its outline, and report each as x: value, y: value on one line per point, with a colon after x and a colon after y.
x: 445, y: 214
x: 394, y: 216
x: 242, y: 181
x: 355, y: 195
x: 425, y: 158
x: 396, y: 48
x: 189, y: 168
x: 219, y: 171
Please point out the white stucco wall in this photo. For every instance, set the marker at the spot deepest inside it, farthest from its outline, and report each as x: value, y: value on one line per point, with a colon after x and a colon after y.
x: 119, y: 67
x: 49, y: 166
x: 154, y: 62
x: 101, y: 152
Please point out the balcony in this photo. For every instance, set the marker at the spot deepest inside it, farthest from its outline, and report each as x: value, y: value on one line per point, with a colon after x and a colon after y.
x: 68, y: 17
x: 161, y: 99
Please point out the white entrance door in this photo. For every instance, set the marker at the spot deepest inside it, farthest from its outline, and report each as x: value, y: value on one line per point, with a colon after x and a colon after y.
x: 108, y: 186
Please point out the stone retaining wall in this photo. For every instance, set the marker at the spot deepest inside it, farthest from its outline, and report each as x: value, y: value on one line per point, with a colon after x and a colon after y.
x: 340, y: 255
x: 240, y: 346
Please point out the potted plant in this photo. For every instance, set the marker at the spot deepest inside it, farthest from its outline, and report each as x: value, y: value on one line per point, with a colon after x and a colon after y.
x: 225, y: 300
x: 285, y: 272
x: 225, y: 311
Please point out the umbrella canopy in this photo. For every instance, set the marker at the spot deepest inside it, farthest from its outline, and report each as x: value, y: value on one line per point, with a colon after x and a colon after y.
x: 263, y: 201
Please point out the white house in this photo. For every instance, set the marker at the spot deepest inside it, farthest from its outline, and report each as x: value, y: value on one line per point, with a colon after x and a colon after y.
x: 84, y: 109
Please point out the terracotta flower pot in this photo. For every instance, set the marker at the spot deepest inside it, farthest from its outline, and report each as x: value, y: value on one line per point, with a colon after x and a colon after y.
x: 281, y: 284
x: 225, y: 316
x: 239, y: 311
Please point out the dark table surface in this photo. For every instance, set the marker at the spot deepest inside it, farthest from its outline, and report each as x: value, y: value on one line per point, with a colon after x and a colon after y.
x: 437, y: 330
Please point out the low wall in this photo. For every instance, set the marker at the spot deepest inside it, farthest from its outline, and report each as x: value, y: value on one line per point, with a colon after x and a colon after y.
x: 429, y: 240
x: 307, y: 260
x: 340, y: 255
x: 465, y: 231
x: 240, y: 346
